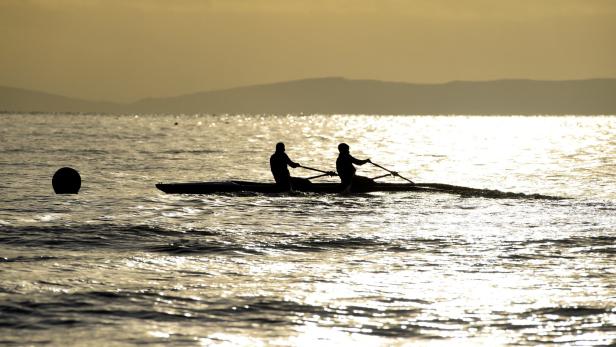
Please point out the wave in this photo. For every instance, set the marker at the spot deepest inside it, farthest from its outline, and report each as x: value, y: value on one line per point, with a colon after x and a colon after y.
x: 574, y: 242
x: 566, y: 312
x: 319, y: 244
x: 381, y: 317
x: 160, y: 240
x: 157, y: 239
x: 196, y: 247
x: 154, y: 305
x: 26, y: 259
x: 189, y: 151
x: 85, y: 236
x: 485, y: 193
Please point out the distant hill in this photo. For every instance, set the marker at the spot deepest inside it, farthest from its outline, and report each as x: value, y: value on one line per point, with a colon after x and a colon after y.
x: 344, y: 96
x: 22, y: 100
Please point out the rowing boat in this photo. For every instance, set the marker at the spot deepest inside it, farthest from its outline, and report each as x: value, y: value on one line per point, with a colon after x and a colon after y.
x: 333, y: 188
x: 260, y: 187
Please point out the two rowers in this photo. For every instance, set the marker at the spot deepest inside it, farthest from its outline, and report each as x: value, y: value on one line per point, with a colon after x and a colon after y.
x: 279, y: 162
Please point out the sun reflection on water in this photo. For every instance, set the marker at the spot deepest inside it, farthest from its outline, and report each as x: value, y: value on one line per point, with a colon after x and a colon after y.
x: 132, y: 264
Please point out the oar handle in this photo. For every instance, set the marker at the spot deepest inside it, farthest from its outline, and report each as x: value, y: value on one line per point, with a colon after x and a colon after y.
x: 313, y: 169
x: 392, y: 172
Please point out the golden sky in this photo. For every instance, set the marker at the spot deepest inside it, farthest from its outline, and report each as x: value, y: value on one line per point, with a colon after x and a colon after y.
x: 128, y: 49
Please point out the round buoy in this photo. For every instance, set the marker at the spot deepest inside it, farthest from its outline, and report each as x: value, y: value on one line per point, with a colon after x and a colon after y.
x: 66, y: 181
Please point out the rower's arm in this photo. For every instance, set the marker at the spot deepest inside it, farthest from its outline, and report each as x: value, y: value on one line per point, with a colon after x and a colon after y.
x: 358, y: 161
x: 291, y: 163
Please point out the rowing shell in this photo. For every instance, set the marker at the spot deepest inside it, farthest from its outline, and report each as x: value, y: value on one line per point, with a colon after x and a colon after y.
x: 333, y: 188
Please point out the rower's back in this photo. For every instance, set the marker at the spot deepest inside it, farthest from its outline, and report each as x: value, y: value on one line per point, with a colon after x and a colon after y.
x: 278, y: 165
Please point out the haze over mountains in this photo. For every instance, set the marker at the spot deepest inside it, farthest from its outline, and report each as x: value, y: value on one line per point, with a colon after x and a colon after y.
x: 344, y: 96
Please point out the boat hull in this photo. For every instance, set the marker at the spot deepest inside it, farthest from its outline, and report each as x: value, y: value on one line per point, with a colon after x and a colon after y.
x: 259, y: 187
x: 335, y: 188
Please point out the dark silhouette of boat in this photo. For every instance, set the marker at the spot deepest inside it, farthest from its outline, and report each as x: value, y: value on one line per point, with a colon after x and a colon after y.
x: 335, y: 188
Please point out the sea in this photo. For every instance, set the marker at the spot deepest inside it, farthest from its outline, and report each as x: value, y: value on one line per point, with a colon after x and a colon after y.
x: 122, y: 263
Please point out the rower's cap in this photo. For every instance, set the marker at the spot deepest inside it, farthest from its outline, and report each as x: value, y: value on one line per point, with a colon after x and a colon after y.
x: 343, y: 147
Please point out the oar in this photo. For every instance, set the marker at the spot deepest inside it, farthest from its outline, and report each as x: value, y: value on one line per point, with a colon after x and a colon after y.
x: 330, y: 173
x: 313, y: 169
x: 392, y: 172
x: 321, y: 175
x: 381, y: 176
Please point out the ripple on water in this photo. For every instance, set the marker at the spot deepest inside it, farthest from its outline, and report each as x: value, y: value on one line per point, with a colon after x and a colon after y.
x: 125, y: 264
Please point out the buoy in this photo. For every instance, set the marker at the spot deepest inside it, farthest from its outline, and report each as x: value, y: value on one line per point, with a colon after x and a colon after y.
x: 66, y: 181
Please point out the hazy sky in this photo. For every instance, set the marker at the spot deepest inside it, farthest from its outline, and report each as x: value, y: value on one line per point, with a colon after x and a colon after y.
x: 128, y: 49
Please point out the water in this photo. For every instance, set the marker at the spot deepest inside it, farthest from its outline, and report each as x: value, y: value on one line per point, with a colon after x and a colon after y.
x: 124, y: 264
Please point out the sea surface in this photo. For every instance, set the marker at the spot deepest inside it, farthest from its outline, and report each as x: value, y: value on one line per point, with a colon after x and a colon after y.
x: 122, y: 263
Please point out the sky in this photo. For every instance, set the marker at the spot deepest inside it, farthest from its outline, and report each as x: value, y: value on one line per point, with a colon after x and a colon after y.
x: 124, y: 50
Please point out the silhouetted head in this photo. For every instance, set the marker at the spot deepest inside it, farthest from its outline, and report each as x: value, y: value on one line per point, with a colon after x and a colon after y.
x: 343, y: 148
x: 280, y: 147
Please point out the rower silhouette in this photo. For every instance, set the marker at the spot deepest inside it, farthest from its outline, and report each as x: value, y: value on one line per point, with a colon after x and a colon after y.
x: 346, y: 170
x: 279, y: 162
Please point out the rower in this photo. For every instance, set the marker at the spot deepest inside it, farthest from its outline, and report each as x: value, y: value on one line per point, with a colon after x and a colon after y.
x: 346, y: 170
x: 278, y: 164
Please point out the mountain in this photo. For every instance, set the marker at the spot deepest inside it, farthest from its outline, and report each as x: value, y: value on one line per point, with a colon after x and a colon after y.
x: 344, y: 96
x: 22, y: 100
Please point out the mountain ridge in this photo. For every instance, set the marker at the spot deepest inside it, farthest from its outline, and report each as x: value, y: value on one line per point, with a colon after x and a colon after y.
x: 339, y: 95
